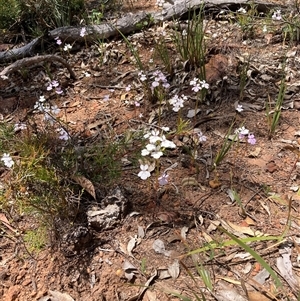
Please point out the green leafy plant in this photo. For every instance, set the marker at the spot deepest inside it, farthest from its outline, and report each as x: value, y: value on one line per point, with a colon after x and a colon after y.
x: 36, y: 239
x: 244, y: 76
x: 291, y: 25
x: 9, y: 13
x: 162, y: 51
x: 39, y: 16
x: 229, y: 140
x: 273, y: 115
x: 190, y: 42
x: 245, y: 18
x: 95, y: 17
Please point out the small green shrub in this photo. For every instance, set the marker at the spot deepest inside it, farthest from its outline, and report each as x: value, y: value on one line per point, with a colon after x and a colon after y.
x: 38, y: 16
x: 9, y: 13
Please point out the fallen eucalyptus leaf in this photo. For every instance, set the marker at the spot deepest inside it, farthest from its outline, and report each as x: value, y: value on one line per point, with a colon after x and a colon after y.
x: 151, y: 295
x: 60, y: 296
x: 241, y: 229
x: 164, y: 274
x: 225, y: 293
x: 247, y: 268
x: 159, y: 247
x: 85, y: 184
x: 129, y: 270
x: 255, y: 153
x: 257, y: 296
x: 285, y: 267
x: 213, y: 226
x: 131, y: 245
x: 184, y: 231
x: 262, y: 276
x: 231, y: 194
x: 141, y: 232
x: 174, y: 269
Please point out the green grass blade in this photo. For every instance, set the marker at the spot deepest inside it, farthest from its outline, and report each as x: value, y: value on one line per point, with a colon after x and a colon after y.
x: 256, y: 256
x: 220, y: 245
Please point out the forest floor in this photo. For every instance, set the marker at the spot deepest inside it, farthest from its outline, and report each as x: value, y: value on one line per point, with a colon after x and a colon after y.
x: 185, y: 214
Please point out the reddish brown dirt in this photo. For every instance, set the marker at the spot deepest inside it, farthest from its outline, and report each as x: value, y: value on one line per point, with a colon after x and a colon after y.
x: 96, y: 273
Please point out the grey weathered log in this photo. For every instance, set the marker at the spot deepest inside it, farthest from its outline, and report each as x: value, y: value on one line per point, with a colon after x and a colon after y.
x: 17, y: 53
x: 125, y: 25
x: 128, y: 24
x: 33, y: 61
x: 131, y: 22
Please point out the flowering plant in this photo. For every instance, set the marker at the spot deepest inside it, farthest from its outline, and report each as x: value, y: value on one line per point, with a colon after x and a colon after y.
x: 155, y: 149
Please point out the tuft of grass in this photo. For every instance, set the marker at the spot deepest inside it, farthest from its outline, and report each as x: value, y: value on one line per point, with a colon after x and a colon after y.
x: 162, y: 51
x: 190, y: 42
x: 229, y: 140
x: 38, y: 184
x: 9, y: 13
x: 273, y: 118
x: 34, y: 184
x: 246, y: 20
x: 38, y: 16
x: 244, y: 76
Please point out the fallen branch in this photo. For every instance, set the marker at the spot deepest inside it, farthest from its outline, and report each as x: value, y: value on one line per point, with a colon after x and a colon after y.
x: 130, y: 23
x: 17, y: 53
x: 125, y: 25
x: 32, y: 61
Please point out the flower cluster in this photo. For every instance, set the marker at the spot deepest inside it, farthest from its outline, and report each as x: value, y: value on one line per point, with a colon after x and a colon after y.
x: 159, y: 79
x: 239, y: 108
x: 177, y: 102
x: 243, y: 133
x: 198, y: 84
x: 7, y: 160
x: 157, y: 143
x: 83, y: 32
x: 242, y: 11
x: 50, y: 111
x: 155, y: 148
x: 142, y: 76
x: 42, y: 106
x: 58, y: 41
x: 67, y: 47
x: 277, y: 15
x: 54, y: 84
x: 160, y: 3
